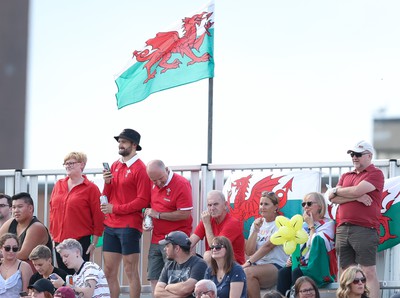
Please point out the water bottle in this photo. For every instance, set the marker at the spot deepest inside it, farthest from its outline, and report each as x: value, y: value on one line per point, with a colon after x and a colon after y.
x: 148, y: 222
x: 103, y: 200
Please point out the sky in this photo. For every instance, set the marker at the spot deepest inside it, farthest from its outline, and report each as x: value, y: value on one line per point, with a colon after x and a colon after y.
x: 295, y: 81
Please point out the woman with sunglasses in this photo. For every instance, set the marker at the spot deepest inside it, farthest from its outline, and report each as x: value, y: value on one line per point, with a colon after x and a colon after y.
x: 305, y: 287
x: 352, y: 284
x: 265, y: 259
x: 15, y: 274
x: 227, y: 275
x: 317, y: 257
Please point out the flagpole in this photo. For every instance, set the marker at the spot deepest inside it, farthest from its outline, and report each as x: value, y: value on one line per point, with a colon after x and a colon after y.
x: 210, y: 119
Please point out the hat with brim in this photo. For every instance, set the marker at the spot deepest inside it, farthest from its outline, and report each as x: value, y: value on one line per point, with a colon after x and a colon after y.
x: 64, y: 292
x: 361, y: 147
x: 43, y: 285
x: 131, y: 135
x: 177, y: 238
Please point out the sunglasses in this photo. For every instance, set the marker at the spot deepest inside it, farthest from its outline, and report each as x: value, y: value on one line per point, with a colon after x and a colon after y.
x: 216, y: 247
x: 358, y: 155
x: 8, y: 248
x: 357, y: 280
x: 309, y: 204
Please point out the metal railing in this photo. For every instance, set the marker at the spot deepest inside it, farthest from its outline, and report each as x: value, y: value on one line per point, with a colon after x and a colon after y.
x: 203, y: 178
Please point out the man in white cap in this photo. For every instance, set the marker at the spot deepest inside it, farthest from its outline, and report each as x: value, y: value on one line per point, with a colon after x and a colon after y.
x: 359, y: 194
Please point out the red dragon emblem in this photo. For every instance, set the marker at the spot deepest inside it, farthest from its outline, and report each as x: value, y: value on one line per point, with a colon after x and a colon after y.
x: 385, y: 220
x: 167, y: 43
x: 246, y: 208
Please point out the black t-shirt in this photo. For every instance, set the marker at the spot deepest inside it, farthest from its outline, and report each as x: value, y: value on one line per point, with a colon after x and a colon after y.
x: 36, y: 276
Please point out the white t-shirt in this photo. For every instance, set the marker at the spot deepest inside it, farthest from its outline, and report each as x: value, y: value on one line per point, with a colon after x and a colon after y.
x: 277, y: 254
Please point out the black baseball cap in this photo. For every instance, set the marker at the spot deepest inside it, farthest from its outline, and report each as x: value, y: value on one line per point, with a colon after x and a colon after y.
x: 177, y: 238
x: 43, y: 285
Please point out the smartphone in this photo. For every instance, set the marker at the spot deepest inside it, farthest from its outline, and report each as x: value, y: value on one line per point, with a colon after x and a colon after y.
x: 53, y: 276
x: 23, y: 294
x: 106, y: 166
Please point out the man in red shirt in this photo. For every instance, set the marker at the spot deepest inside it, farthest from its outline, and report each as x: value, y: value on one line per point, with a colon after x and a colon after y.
x: 171, y: 210
x: 216, y: 221
x: 359, y: 194
x: 128, y: 188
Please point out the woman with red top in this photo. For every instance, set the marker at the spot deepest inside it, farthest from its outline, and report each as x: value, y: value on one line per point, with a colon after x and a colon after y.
x: 75, y: 208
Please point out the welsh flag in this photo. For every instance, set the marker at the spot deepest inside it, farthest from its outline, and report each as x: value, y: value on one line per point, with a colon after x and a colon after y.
x: 390, y: 220
x: 243, y: 190
x: 172, y: 58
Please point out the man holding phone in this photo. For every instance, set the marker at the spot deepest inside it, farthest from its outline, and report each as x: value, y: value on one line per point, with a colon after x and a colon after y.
x: 128, y: 189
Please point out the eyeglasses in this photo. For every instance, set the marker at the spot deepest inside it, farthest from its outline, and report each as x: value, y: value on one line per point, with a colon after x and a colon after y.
x: 199, y: 294
x: 358, y: 155
x: 70, y: 164
x: 309, y: 204
x: 356, y: 281
x: 4, y: 205
x: 217, y: 247
x: 307, y: 291
x: 8, y: 248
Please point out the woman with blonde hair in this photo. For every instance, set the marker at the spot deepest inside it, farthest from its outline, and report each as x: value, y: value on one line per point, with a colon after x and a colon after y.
x: 352, y: 284
x: 75, y: 208
x: 317, y: 257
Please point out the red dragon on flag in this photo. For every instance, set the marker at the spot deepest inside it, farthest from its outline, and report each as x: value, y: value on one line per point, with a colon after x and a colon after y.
x: 167, y: 43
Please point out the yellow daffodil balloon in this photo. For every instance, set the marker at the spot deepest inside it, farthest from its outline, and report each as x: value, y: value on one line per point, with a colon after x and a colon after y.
x: 290, y: 233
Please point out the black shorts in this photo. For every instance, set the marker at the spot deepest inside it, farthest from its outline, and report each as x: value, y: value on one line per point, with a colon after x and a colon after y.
x: 125, y: 241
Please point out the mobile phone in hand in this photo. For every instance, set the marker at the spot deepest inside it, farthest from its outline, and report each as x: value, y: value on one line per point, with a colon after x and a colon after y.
x: 106, y: 166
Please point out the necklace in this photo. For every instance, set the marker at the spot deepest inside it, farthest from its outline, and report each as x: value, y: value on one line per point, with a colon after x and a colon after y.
x: 9, y: 267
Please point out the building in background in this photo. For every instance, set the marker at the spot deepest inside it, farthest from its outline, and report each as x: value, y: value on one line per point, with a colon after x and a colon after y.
x: 13, y: 78
x: 386, y: 137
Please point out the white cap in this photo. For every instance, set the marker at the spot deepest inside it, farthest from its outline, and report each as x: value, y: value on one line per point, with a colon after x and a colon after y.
x: 361, y: 147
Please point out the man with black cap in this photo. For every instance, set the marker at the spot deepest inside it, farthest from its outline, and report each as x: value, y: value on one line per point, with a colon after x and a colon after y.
x: 128, y: 189
x: 359, y: 194
x: 179, y: 277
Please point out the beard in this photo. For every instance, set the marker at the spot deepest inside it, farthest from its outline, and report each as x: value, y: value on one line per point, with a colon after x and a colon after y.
x: 124, y: 151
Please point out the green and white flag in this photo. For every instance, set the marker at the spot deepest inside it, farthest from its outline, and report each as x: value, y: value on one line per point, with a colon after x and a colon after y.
x: 173, y: 58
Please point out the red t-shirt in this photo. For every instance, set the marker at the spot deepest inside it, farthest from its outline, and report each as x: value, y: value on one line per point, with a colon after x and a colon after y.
x: 128, y: 192
x: 232, y: 229
x: 176, y: 195
x: 356, y: 212
x: 75, y: 213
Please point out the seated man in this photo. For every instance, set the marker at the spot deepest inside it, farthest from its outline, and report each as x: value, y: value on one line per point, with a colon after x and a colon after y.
x: 42, y: 261
x: 30, y: 231
x: 178, y: 278
x: 216, y: 221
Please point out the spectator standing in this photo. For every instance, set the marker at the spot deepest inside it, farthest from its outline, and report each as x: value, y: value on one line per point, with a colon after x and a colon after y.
x: 179, y: 277
x: 75, y: 208
x: 128, y: 189
x: 352, y: 284
x: 216, y: 221
x: 317, y: 256
x: 14, y: 273
x: 265, y: 259
x: 30, y: 231
x: 42, y: 261
x: 359, y: 195
x: 228, y: 276
x: 171, y: 210
x: 89, y: 279
x: 205, y: 288
x: 5, y: 208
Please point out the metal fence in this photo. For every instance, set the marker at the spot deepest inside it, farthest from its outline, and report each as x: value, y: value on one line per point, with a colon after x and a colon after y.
x: 203, y: 178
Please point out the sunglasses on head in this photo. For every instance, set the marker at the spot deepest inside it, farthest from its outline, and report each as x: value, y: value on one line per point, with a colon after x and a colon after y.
x: 309, y: 204
x: 8, y: 248
x: 216, y: 247
x: 358, y: 155
x: 357, y: 280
